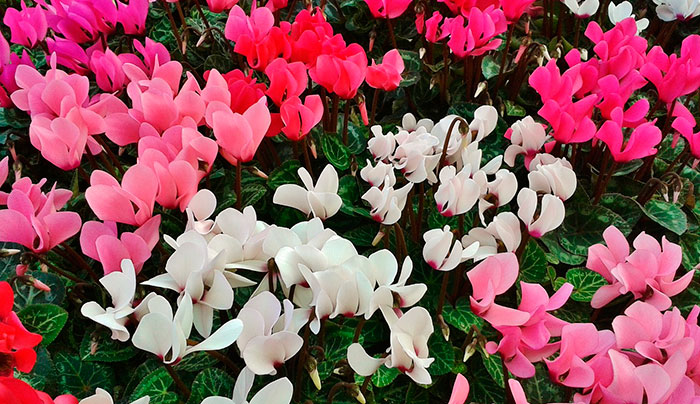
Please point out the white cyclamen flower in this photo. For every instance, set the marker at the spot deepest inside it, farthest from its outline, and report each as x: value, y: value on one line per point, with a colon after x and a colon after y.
x: 501, y: 235
x: 582, y: 9
x: 556, y: 178
x: 682, y: 10
x: 527, y: 137
x: 165, y: 335
x: 623, y: 11
x: 103, y: 397
x: 496, y: 193
x: 395, y: 295
x: 409, y: 123
x: 416, y: 156
x: 380, y: 145
x: 382, y: 174
x: 201, y: 206
x: 408, y: 351
x: 387, y: 203
x: 549, y: 217
x: 441, y: 253
x: 264, y: 349
x: 321, y: 200
x: 457, y: 192
x: 279, y: 391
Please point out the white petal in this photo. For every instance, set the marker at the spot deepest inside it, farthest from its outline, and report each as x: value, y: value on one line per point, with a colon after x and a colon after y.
x: 221, y: 338
x: 361, y: 362
x: 203, y: 204
x: 278, y: 392
x: 293, y: 196
x: 153, y: 334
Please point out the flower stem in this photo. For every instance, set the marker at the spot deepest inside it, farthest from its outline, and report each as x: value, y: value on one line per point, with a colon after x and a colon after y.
x: 173, y: 25
x: 178, y: 382
x: 80, y: 261
x: 239, y: 197
x: 504, y: 58
x: 346, y: 117
x: 392, y: 37
x: 375, y: 101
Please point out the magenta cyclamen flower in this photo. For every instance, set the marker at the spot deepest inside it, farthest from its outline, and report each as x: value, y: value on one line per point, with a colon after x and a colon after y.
x: 28, y: 26
x: 8, y: 66
x: 648, y: 272
x: 477, y: 37
x: 387, y: 8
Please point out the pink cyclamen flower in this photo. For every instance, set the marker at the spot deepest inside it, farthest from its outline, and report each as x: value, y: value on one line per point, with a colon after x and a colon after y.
x: 686, y: 128
x: 101, y: 242
x: 523, y: 345
x: 298, y: 118
x: 239, y: 135
x: 108, y: 70
x: 515, y: 8
x: 493, y: 277
x: 648, y: 273
x: 477, y: 37
x: 257, y: 37
x: 460, y: 390
x: 32, y: 218
x: 639, y: 145
x: 217, y: 6
x: 130, y: 202
x: 672, y: 76
x: 387, y: 8
x: 28, y: 26
x: 69, y: 54
x: 132, y: 16
x: 341, y: 73
x: 578, y: 342
x: 387, y: 75
x: 286, y: 80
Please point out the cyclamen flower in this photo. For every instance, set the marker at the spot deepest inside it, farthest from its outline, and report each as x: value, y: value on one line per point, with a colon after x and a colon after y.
x: 527, y: 137
x: 217, y: 6
x: 395, y: 295
x: 9, y: 62
x: 681, y: 10
x: 100, y: 241
x: 27, y: 27
x: 130, y: 202
x: 165, y: 335
x: 103, y: 397
x: 501, y: 235
x: 457, y: 192
x: 387, y: 203
x: 278, y: 392
x: 342, y: 72
x: 513, y: 10
x: 389, y: 9
x: 387, y: 75
x: 647, y: 273
x: 409, y: 347
x: 321, y: 200
x: 557, y: 178
x: 15, y: 342
x: 381, y: 145
x: 438, y: 254
x: 300, y: 118
x: 256, y: 37
x: 549, y: 217
x: 239, y: 135
x: 582, y: 9
x: 639, y: 145
x: 623, y: 11
x: 382, y: 174
x: 287, y: 80
x: 18, y: 392
x: 477, y: 37
x: 32, y: 217
x: 460, y: 390
x: 686, y: 128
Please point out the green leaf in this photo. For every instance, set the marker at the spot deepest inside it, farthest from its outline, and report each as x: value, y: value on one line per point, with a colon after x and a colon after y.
x: 202, y: 360
x: 44, y: 319
x: 461, y: 316
x: 667, y: 215
x: 443, y: 353
x: 362, y: 236
x: 384, y: 376
x: 211, y: 382
x: 43, y: 370
x: 558, y: 253
x: 585, y: 283
x: 252, y: 193
x: 98, y: 346
x: 26, y: 294
x: 156, y: 386
x: 540, y: 389
x: 81, y: 378
x: 513, y: 109
x: 584, y: 226
x: 357, y: 137
x: 284, y: 174
x: 483, y: 387
x: 691, y: 250
x: 489, y: 67
x: 335, y: 151
x: 493, y: 365
x: 533, y: 266
x: 412, y: 68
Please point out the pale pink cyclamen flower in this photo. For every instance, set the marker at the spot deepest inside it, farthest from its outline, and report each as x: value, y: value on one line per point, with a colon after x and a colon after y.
x: 28, y: 26
x: 460, y: 390
x: 321, y: 199
x: 268, y: 339
x: 239, y: 135
x: 109, y: 73
x: 386, y: 75
x: 443, y: 255
x: 130, y: 202
x: 32, y: 218
x: 551, y: 212
x: 492, y: 277
x: 557, y: 178
x: 648, y: 272
x: 521, y: 346
x: 101, y: 242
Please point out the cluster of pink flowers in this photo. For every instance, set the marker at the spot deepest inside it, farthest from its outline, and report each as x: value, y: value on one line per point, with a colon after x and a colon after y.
x: 607, y: 82
x: 651, y: 353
